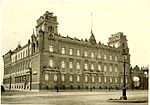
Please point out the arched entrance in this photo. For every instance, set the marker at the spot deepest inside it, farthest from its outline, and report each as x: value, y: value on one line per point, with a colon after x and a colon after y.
x: 137, y: 82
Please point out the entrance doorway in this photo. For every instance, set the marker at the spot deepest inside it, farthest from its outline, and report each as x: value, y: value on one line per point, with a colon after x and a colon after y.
x: 136, y: 82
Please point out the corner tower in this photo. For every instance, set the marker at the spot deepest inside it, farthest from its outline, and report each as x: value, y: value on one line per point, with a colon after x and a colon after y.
x: 48, y: 23
x: 118, y: 40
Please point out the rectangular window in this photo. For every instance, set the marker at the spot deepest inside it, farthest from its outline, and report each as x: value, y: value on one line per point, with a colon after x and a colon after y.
x: 110, y: 68
x: 116, y: 58
x: 116, y: 69
x: 70, y: 51
x: 126, y: 80
x: 99, y: 79
x: 121, y: 80
x: 78, y: 78
x: 78, y: 65
x: 78, y: 52
x: 85, y: 53
x: 92, y: 66
x: 110, y: 57
x: 105, y: 68
x: 105, y: 79
x: 51, y: 48
x: 86, y: 66
x: 105, y: 56
x: 62, y: 77
x: 116, y: 80
x: 62, y: 64
x: 93, y: 79
x: 110, y: 79
x: 92, y: 55
x: 70, y: 65
x: 99, y: 56
x: 71, y: 78
x: 99, y: 67
x: 63, y: 50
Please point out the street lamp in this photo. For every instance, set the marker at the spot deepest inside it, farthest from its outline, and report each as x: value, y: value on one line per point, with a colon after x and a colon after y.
x: 124, y: 97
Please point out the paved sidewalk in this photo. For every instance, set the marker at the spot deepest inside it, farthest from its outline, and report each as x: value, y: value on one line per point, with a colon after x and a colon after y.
x: 71, y: 98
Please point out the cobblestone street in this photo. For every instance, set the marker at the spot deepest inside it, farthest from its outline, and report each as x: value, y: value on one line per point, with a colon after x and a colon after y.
x: 71, y: 98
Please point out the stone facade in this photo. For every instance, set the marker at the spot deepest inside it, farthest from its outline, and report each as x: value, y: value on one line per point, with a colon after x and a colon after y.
x: 52, y: 61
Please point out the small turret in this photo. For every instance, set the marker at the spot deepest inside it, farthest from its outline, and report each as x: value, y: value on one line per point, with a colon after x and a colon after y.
x: 92, y: 39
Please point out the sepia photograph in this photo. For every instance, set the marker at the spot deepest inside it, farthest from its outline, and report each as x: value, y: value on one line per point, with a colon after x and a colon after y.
x: 74, y: 52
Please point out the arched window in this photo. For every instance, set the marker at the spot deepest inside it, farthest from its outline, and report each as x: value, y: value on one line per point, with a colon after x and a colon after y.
x: 46, y: 77
x: 78, y: 78
x: 62, y: 77
x: 71, y: 78
x: 99, y: 79
x: 86, y: 78
x: 116, y: 80
x: 51, y: 63
x: 93, y: 78
x: 105, y: 79
x: 55, y: 77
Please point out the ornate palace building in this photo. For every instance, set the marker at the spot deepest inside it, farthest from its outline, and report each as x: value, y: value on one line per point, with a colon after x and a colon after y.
x: 51, y: 61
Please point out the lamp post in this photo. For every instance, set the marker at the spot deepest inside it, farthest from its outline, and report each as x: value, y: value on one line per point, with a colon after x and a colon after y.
x: 124, y: 97
x: 58, y: 75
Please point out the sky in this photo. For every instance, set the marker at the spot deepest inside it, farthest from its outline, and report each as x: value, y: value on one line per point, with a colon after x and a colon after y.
x: 18, y: 19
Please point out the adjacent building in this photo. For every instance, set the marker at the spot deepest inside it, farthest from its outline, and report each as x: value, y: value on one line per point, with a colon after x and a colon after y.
x: 51, y: 61
x: 139, y: 77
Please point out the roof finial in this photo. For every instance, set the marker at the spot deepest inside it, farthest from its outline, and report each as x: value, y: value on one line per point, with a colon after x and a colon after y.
x: 91, y: 21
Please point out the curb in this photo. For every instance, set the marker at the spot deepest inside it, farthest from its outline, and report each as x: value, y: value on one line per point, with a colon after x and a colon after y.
x: 126, y: 101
